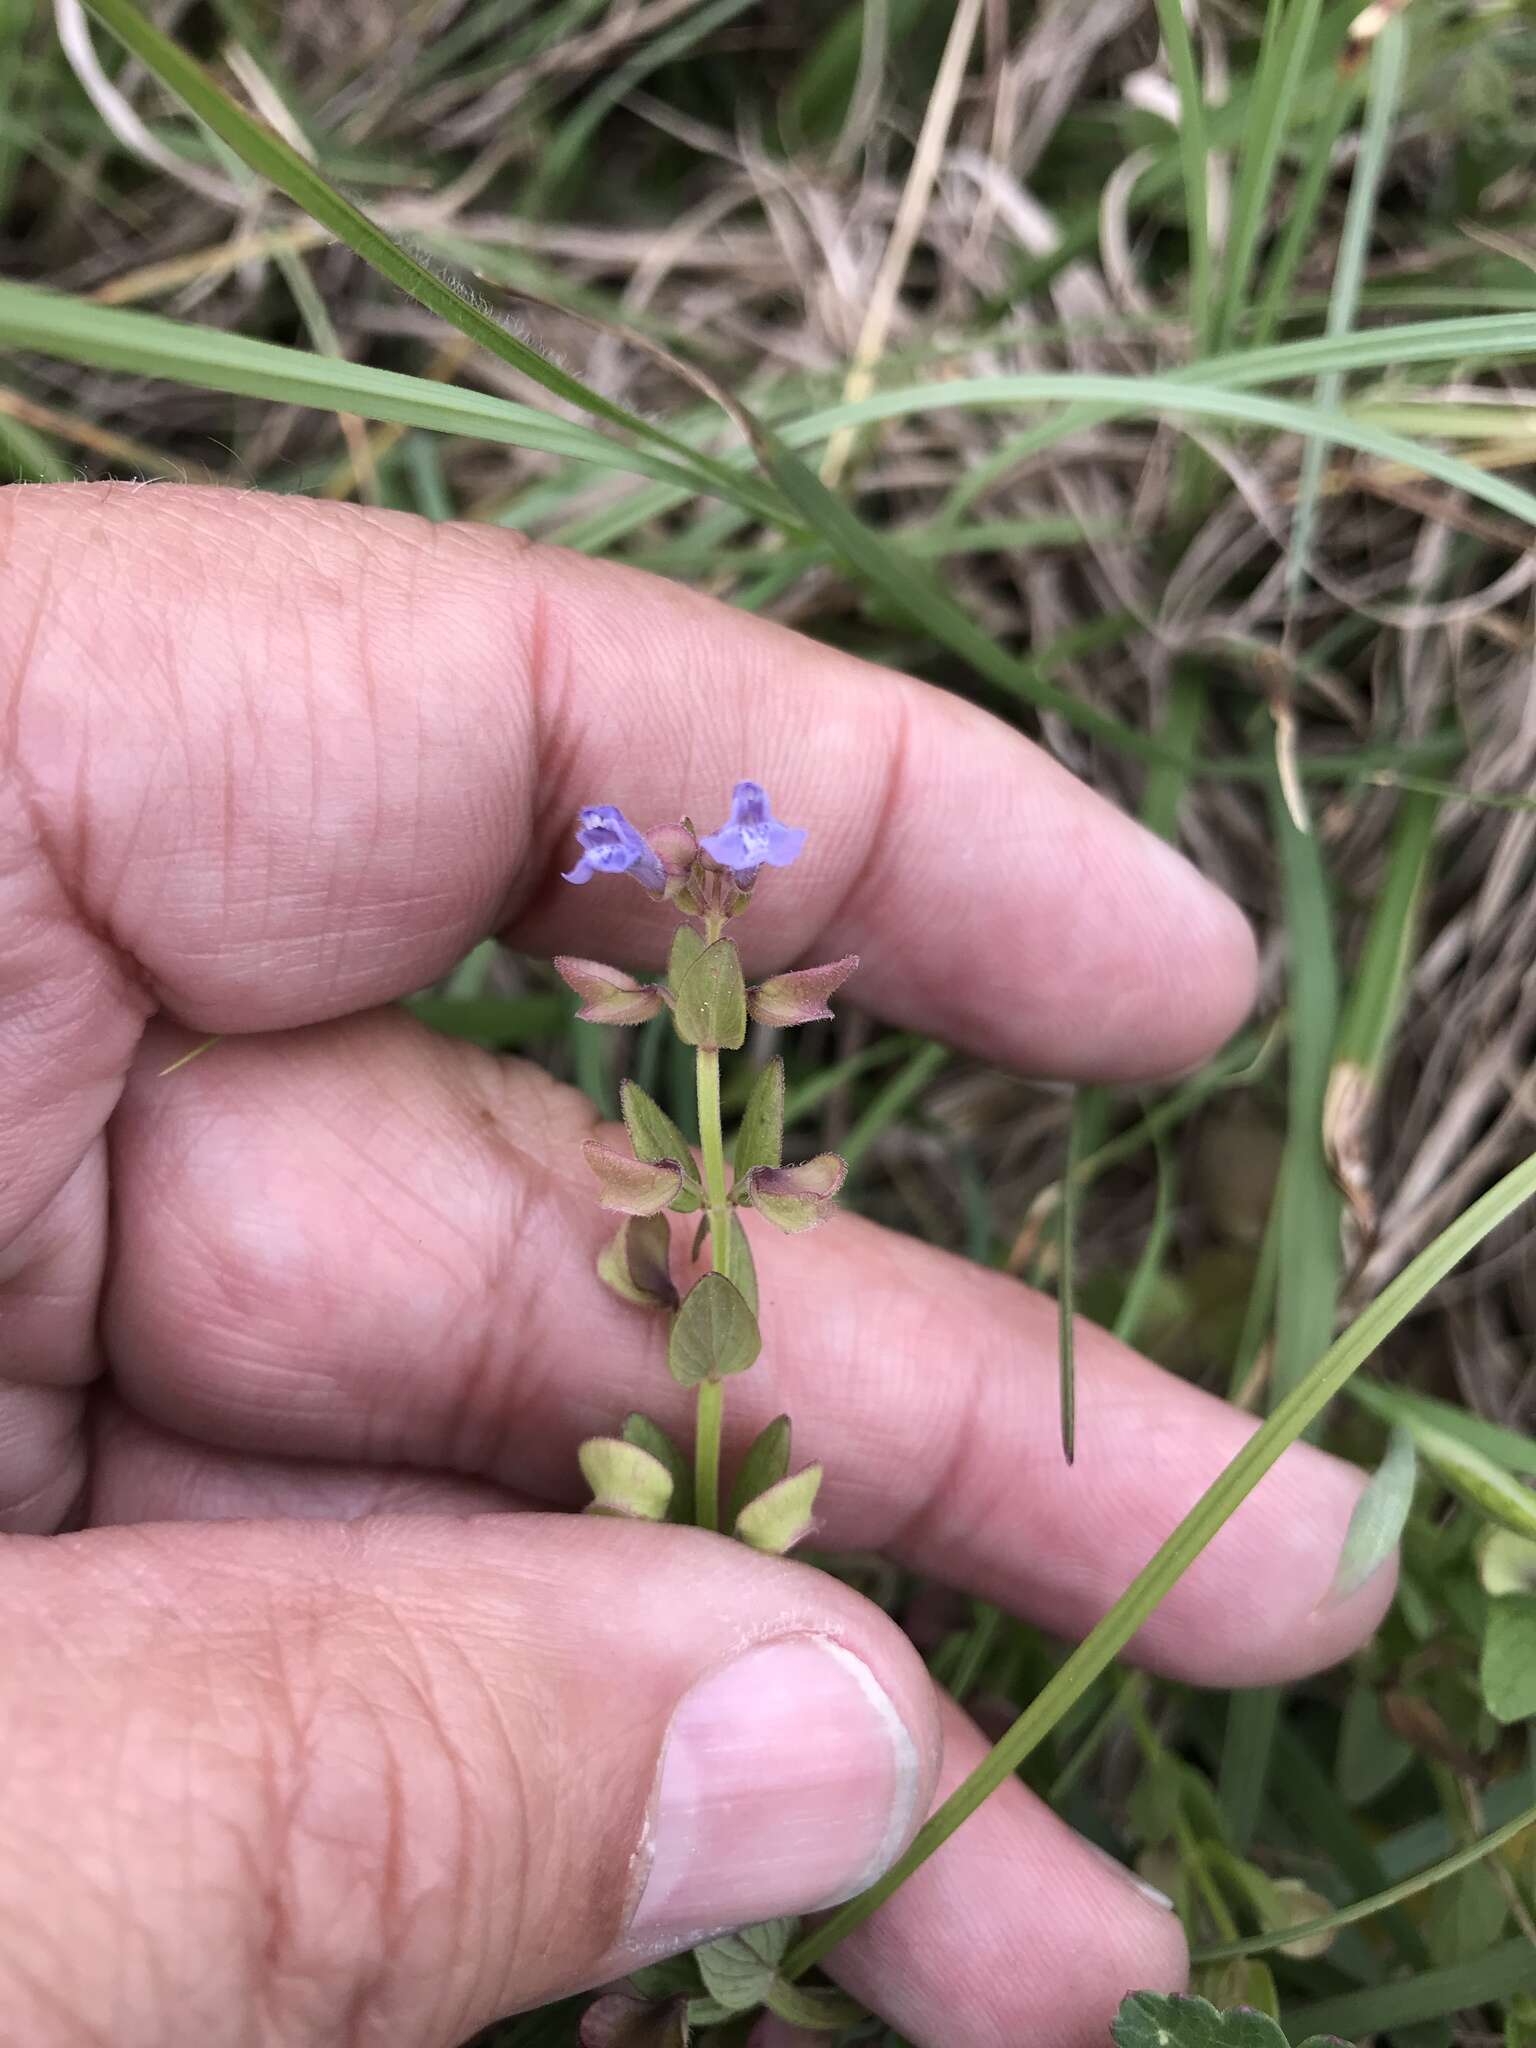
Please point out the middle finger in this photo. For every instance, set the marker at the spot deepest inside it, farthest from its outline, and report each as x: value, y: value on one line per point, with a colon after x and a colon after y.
x: 365, y: 1242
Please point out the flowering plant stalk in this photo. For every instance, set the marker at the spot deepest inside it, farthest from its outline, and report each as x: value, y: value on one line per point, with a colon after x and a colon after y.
x: 714, y: 1331
x: 642, y: 1473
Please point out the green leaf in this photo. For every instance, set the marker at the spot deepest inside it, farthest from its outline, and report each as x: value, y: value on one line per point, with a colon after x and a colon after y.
x: 1483, y: 1485
x: 655, y: 1137
x: 636, y: 1264
x: 1507, y: 1669
x: 625, y: 1480
x: 816, y: 2007
x: 760, y: 1141
x: 673, y: 1976
x: 1466, y: 1916
x: 686, y: 948
x: 1155, y: 2019
x: 650, y: 1436
x: 1369, y: 1756
x: 712, y: 999
x: 738, y: 1968
x: 765, y: 1464
x: 780, y: 1518
x: 1378, y: 1518
x: 713, y: 1334
x: 743, y: 1265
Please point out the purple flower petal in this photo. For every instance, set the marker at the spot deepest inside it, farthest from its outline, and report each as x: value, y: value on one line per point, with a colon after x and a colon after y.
x: 612, y: 846
x: 752, y: 837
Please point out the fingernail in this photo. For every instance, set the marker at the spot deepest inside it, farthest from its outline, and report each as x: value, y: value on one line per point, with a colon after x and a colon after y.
x: 787, y: 1782
x: 1139, y: 1884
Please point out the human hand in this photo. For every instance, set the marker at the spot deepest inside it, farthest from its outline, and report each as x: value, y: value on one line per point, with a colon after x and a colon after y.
x: 303, y: 1744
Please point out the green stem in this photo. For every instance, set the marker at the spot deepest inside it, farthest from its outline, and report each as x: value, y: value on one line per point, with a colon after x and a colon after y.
x: 706, y: 1453
x: 1365, y: 1909
x: 1290, y: 1417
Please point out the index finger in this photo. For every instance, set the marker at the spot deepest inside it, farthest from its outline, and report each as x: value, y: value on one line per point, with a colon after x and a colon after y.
x: 291, y: 758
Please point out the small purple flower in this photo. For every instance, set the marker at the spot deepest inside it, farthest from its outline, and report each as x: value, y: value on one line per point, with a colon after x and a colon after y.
x: 752, y: 837
x: 612, y: 846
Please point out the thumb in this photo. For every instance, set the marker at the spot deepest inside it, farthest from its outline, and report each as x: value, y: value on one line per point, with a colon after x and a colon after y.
x: 301, y: 1782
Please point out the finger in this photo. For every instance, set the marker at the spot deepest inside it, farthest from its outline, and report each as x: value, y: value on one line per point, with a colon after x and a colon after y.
x: 275, y: 760
x: 143, y: 1473
x: 381, y: 1247
x: 1077, y: 1930
x: 386, y: 1782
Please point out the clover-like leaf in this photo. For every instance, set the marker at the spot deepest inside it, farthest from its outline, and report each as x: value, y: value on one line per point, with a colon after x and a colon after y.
x: 781, y: 1517
x: 714, y: 1333
x: 636, y: 1187
x: 650, y: 1436
x: 760, y: 1141
x: 625, y: 1480
x: 743, y: 1265
x: 738, y: 1968
x: 655, y: 1136
x: 712, y: 1000
x: 686, y: 948
x: 799, y: 998
x: 608, y: 994
x: 636, y: 1263
x: 1507, y: 1667
x: 1159, y: 2019
x: 765, y: 1464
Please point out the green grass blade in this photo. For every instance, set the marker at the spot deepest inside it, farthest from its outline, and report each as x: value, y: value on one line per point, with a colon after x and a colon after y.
x: 1081, y: 1129
x: 266, y: 153
x: 892, y: 1101
x: 1366, y: 1909
x: 148, y: 345
x: 1291, y: 1418
x: 1149, y: 1263
x: 1275, y: 299
x: 1379, y: 2008
x: 1388, y: 61
x: 1287, y: 43
x: 1506, y: 1447
x: 1193, y: 161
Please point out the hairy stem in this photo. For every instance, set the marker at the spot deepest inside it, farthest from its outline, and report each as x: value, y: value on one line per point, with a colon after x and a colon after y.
x: 706, y: 1452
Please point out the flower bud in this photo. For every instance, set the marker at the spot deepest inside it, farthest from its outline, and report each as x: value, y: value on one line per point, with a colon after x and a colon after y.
x: 608, y: 994
x: 799, y: 998
x: 635, y: 1187
x: 675, y: 847
x: 797, y: 1198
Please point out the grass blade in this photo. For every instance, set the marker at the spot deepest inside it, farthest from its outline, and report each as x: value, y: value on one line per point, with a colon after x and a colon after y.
x: 1388, y: 61
x: 1366, y: 1909
x: 1291, y: 1418
x: 271, y: 157
x: 1499, y: 1974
